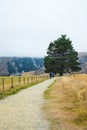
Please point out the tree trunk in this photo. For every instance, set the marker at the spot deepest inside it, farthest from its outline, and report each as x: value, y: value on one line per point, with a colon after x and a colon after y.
x: 61, y: 74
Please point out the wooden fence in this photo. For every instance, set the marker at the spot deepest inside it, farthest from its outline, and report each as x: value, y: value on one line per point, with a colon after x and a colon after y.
x: 7, y: 83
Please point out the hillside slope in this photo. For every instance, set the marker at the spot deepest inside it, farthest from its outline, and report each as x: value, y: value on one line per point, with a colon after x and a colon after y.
x: 14, y: 65
x: 83, y: 61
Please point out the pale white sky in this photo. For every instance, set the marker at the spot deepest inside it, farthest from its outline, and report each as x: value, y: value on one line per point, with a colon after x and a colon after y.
x: 28, y: 26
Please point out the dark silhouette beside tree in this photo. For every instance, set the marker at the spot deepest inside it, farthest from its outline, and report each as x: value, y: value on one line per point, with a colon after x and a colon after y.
x: 61, y: 57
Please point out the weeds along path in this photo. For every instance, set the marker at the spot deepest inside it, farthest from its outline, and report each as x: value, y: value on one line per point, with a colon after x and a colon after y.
x: 23, y: 111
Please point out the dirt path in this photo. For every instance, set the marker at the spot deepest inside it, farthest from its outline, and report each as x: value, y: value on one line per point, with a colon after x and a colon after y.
x: 23, y: 110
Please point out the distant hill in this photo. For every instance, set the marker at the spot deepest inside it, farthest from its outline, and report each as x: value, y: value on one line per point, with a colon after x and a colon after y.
x: 15, y: 65
x: 83, y: 61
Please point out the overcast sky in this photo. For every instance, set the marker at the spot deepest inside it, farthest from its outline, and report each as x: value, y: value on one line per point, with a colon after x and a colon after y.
x: 28, y: 26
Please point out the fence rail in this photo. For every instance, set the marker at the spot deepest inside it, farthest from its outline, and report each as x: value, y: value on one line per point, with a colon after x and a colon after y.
x: 7, y: 83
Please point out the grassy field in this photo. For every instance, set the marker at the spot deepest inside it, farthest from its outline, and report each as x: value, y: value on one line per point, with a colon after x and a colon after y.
x: 22, y: 80
x: 67, y: 103
x: 8, y: 83
x: 12, y: 84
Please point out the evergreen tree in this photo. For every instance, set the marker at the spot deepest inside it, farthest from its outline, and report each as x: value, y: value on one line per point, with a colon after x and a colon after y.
x: 61, y: 57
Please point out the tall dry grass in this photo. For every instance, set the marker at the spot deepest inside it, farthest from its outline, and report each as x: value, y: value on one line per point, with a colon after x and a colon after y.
x: 66, y: 108
x: 75, y: 89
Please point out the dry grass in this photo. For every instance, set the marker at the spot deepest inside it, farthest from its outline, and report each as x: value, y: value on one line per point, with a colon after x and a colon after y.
x: 67, y: 103
x: 29, y: 81
x: 24, y: 80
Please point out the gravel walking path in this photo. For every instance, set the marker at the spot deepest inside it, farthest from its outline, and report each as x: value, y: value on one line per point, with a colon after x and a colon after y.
x: 23, y: 111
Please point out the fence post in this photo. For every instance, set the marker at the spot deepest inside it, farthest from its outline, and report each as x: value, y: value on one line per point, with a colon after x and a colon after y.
x: 32, y: 79
x: 28, y: 80
x: 24, y: 80
x: 19, y: 80
x: 12, y: 83
x: 2, y: 84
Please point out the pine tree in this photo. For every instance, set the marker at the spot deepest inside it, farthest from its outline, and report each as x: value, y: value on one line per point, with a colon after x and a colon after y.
x: 61, y: 57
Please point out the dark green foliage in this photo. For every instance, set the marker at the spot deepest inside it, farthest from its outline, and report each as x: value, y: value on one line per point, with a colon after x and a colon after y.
x: 11, y: 69
x: 18, y: 65
x: 28, y: 64
x: 61, y: 57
